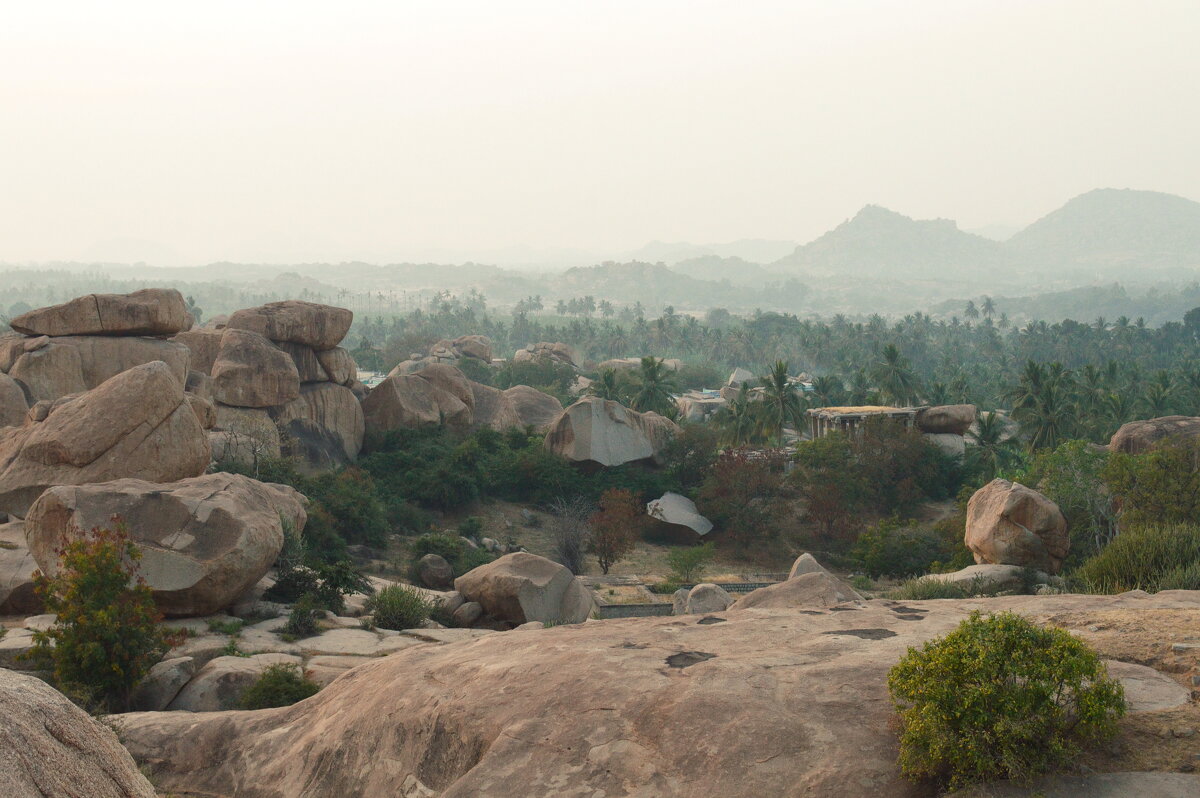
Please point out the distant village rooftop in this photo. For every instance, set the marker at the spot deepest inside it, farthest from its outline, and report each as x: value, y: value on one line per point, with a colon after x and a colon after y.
x: 823, y: 420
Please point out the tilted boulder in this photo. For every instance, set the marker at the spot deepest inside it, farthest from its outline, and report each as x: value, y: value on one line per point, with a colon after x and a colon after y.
x: 680, y: 511
x: 816, y: 589
x: 307, y: 365
x: 1136, y: 437
x: 493, y: 409
x: 946, y: 419
x: 602, y: 431
x: 475, y: 346
x: 806, y: 564
x: 203, y: 343
x: 546, y: 352
x: 53, y: 748
x: 297, y: 322
x: 534, y: 408
x: 1010, y: 524
x: 251, y: 372
x: 331, y: 407
x: 204, y: 540
x: 13, y: 405
x: 339, y: 365
x: 707, y: 597
x: 17, y: 566
x: 50, y: 372
x: 523, y: 587
x: 407, y: 400
x: 136, y: 424
x: 451, y: 380
x: 151, y: 311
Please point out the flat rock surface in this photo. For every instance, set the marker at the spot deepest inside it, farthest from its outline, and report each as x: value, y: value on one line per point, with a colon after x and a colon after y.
x: 1095, y: 785
x: 1147, y: 690
x: 768, y: 702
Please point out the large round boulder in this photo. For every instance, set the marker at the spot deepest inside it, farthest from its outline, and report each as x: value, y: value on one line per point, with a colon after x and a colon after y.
x: 204, y: 540
x: 251, y: 372
x: 49, y: 372
x: 1136, y: 437
x: 534, y: 408
x: 407, y: 400
x: 297, y: 322
x: 136, y: 425
x: 493, y: 409
x: 53, y: 748
x: 946, y: 419
x: 523, y: 587
x: 435, y: 573
x: 1010, y: 524
x: 603, y: 431
x: 339, y: 365
x: 203, y: 344
x: 814, y: 589
x: 13, y: 405
x: 151, y: 311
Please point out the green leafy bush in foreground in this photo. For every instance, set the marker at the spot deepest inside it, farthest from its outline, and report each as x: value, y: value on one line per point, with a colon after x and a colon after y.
x: 1000, y: 698
x: 398, y: 607
x: 1149, y: 558
x: 279, y: 686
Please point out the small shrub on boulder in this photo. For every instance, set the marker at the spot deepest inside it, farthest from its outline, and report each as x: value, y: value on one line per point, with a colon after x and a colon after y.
x: 1000, y: 698
x: 399, y: 607
x: 279, y: 686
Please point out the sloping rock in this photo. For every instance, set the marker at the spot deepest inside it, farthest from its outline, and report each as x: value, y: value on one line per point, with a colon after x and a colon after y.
x: 297, y: 322
x: 406, y: 400
x: 1136, y: 437
x: 1093, y: 785
x: 102, y: 357
x: 17, y: 566
x: 1010, y: 524
x: 220, y: 683
x: 339, y: 365
x: 13, y: 405
x: 534, y: 408
x: 622, y: 707
x: 136, y: 424
x: 1147, y: 690
x: 151, y: 311
x: 163, y: 682
x: 524, y: 587
x: 946, y: 419
x: 203, y: 343
x: 251, y: 372
x: 805, y: 564
x: 450, y: 380
x: 677, y: 510
x: 53, y: 749
x: 993, y: 578
x: 605, y: 432
x: 493, y: 409
x: 332, y: 407
x: 50, y: 372
x: 818, y: 589
x: 204, y: 540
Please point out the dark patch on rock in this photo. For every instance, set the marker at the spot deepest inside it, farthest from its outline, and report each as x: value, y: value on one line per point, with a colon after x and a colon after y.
x: 865, y: 634
x: 686, y: 659
x: 707, y: 619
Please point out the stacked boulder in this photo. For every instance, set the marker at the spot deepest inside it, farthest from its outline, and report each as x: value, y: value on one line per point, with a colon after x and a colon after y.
x: 945, y: 425
x: 1010, y: 524
x: 520, y: 588
x: 604, y: 432
x: 280, y: 383
x: 1136, y: 437
x: 449, y: 352
x: 546, y: 352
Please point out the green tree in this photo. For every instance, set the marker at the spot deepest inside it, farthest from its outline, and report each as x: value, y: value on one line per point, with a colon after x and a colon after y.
x: 655, y: 388
x: 616, y: 526
x: 782, y: 403
x: 893, y: 375
x: 995, y: 447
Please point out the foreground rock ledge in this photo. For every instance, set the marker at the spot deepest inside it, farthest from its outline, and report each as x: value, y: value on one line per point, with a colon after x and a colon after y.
x: 742, y: 703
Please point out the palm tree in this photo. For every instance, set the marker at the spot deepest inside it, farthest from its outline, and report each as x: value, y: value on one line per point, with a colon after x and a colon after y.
x: 655, y: 387
x: 994, y: 448
x: 741, y: 421
x: 894, y: 377
x: 1159, y: 395
x: 827, y: 391
x: 1042, y: 404
x: 783, y: 405
x: 988, y: 307
x: 608, y: 386
x: 971, y: 312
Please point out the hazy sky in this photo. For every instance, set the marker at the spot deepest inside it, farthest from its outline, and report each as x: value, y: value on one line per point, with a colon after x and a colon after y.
x: 301, y: 131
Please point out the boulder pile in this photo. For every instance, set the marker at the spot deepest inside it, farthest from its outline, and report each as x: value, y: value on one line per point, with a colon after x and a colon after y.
x: 546, y: 352
x: 945, y: 425
x: 522, y: 587
x: 1136, y: 437
x: 604, y: 432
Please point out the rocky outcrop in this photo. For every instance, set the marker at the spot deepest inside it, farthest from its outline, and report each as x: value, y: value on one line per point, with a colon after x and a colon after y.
x: 204, y: 540
x: 151, y: 311
x: 1136, y: 437
x: 220, y: 683
x: 474, y: 346
x: 534, y: 408
x: 136, y: 424
x: 54, y: 749
x: 338, y: 364
x: 330, y: 407
x: 404, y: 401
x: 203, y: 344
x: 49, y: 372
x: 294, y: 321
x: 13, y: 405
x: 17, y: 566
x: 602, y: 431
x: 946, y: 419
x: 251, y: 372
x: 546, y: 352
x: 995, y: 578
x: 813, y: 590
x: 622, y: 707
x: 435, y: 572
x: 1010, y: 524
x: 805, y: 564
x: 679, y: 511
x: 493, y: 409
x: 523, y: 587
x: 452, y: 381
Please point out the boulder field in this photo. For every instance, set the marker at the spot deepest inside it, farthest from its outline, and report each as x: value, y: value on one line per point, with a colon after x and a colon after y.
x: 757, y: 702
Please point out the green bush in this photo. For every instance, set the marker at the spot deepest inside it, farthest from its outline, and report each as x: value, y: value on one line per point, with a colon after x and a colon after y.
x: 453, y: 549
x: 918, y: 589
x: 398, y: 607
x: 302, y: 620
x: 326, y: 583
x: 687, y: 563
x: 1144, y: 558
x: 892, y: 548
x: 279, y: 686
x: 1000, y: 698
x: 106, y: 635
x: 1181, y: 577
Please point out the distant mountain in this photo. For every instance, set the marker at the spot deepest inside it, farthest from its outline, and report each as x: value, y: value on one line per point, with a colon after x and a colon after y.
x: 1109, y: 230
x: 879, y: 243
x: 735, y: 270
x: 996, y: 232
x: 754, y: 250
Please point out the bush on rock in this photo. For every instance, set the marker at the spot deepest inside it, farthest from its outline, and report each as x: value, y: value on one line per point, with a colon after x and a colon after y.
x: 398, y: 607
x: 279, y: 686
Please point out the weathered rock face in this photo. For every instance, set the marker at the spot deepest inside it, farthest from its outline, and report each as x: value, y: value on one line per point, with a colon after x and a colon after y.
x: 546, y: 352
x: 493, y: 409
x: 476, y: 346
x: 204, y: 540
x: 203, y: 344
x: 160, y: 686
x: 407, y: 400
x: 677, y: 510
x: 523, y: 587
x: 17, y: 566
x: 946, y: 419
x: 1139, y: 436
x: 104, y: 357
x: 52, y: 748
x: 1010, y: 524
x: 993, y: 577
x: 151, y: 311
x: 452, y: 381
x: 534, y: 408
x: 243, y: 435
x: 331, y: 407
x: 813, y: 590
x: 707, y: 597
x: 605, y: 432
x: 802, y: 698
x: 220, y: 683
x: 339, y: 365
x: 805, y: 564
x: 251, y: 372
x: 293, y: 321
x: 435, y: 572
x: 13, y: 405
x: 136, y: 424
x: 50, y: 372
